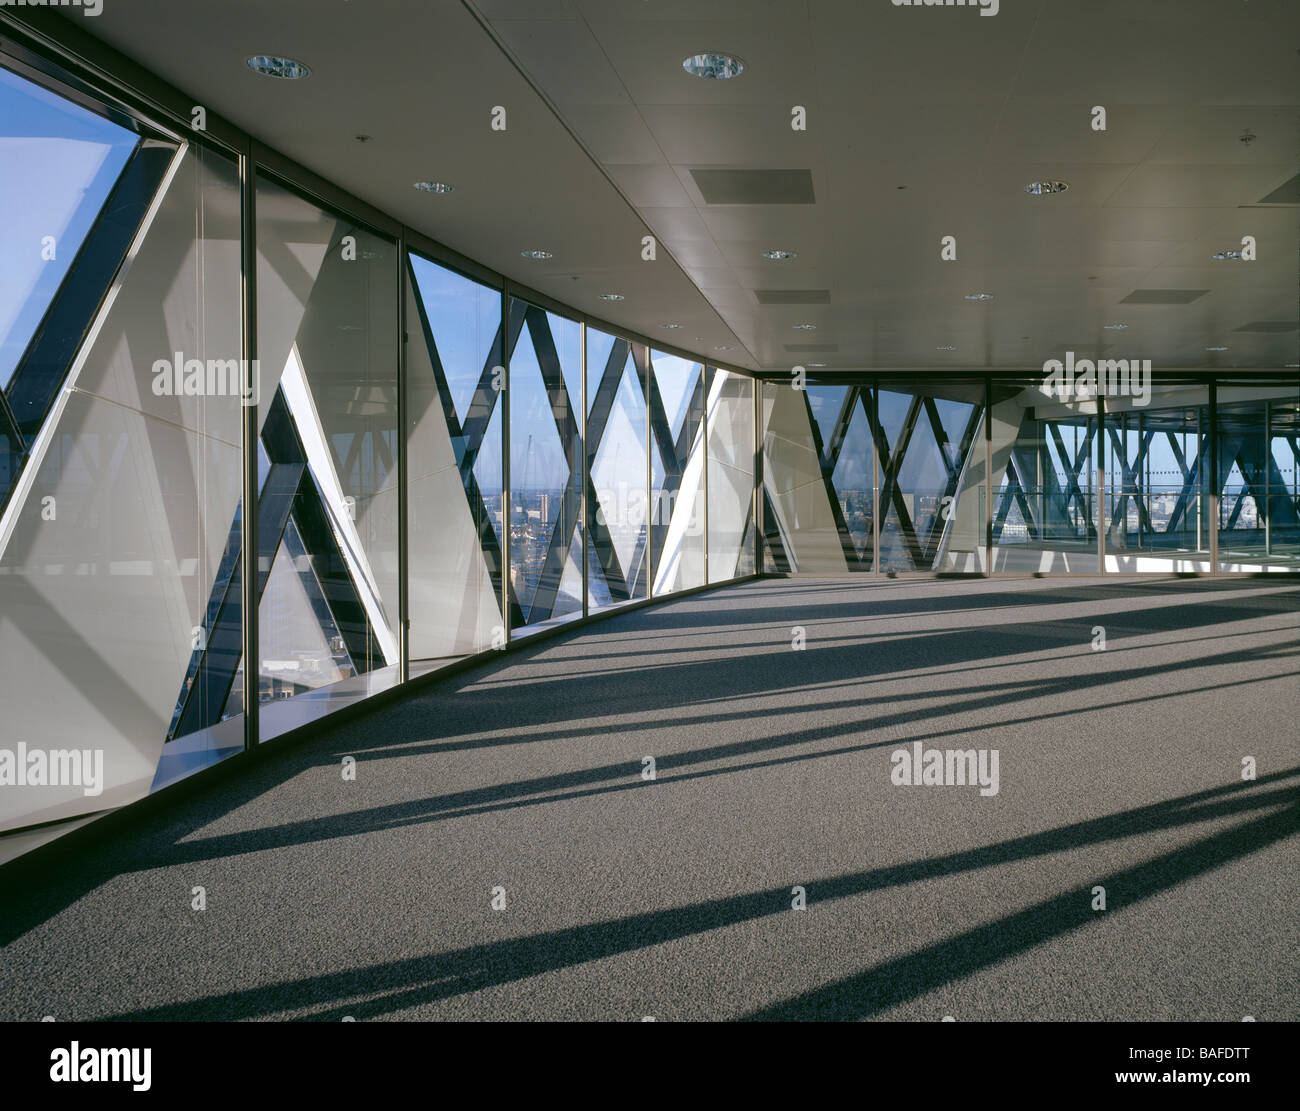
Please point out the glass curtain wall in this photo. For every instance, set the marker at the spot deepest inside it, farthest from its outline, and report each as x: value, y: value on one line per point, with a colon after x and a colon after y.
x: 327, y: 528
x: 1158, y: 478
x: 677, y: 473
x: 1044, y: 450
x: 124, y: 394
x: 454, y: 376
x: 929, y: 436
x: 618, y: 471
x: 546, y: 465
x: 1258, y: 437
x: 730, y: 442
x: 120, y: 472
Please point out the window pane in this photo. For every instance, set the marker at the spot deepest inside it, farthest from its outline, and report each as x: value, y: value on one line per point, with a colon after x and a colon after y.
x: 731, y: 475
x: 616, y: 452
x: 327, y: 513
x: 545, y: 464
x: 677, y: 472
x: 454, y: 457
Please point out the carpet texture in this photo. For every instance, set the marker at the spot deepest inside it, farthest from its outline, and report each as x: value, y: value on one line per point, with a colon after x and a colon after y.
x: 624, y: 897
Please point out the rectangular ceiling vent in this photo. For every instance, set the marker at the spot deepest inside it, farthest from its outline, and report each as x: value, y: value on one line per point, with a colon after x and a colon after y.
x: 810, y: 347
x: 793, y: 296
x: 1269, y: 326
x: 1163, y: 296
x: 1286, y: 193
x: 755, y: 186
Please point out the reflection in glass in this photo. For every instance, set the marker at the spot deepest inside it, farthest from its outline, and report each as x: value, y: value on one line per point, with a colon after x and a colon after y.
x: 617, y: 563
x: 731, y: 475
x: 677, y: 472
x: 327, y: 512
x: 453, y: 356
x: 545, y: 464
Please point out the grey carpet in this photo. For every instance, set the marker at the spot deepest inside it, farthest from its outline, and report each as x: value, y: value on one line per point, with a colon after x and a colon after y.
x: 672, y: 898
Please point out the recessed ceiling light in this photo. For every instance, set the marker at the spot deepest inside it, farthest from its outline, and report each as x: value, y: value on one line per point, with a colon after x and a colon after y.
x: 714, y: 67
x: 269, y: 65
x: 670, y: 326
x: 723, y: 347
x: 537, y: 254
x: 434, y: 187
x: 780, y: 256
x: 816, y: 364
x: 1038, y: 188
x: 805, y: 327
x: 611, y: 297
x: 946, y: 347
x: 1216, y: 349
x: 979, y: 297
x: 1234, y: 256
x: 1114, y: 327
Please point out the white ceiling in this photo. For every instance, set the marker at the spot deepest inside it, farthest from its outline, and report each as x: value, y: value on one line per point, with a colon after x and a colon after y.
x: 959, y: 109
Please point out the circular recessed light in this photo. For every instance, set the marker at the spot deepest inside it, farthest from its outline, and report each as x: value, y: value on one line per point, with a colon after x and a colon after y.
x: 979, y: 297
x: 539, y: 255
x: 611, y: 297
x: 1114, y: 327
x: 780, y: 256
x: 723, y: 347
x: 670, y: 326
x: 269, y: 65
x: 805, y: 327
x: 714, y: 67
x: 1039, y: 188
x: 946, y: 347
x: 434, y: 187
x: 1234, y: 256
x: 816, y: 364
x: 1216, y: 349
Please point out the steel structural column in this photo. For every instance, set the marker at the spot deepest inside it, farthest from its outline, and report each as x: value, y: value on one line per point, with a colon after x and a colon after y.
x: 988, y: 474
x: 1102, y: 522
x: 757, y: 499
x: 873, y: 385
x: 1212, y: 473
x: 503, y: 399
x: 403, y: 477
x: 248, y: 509
x: 583, y: 459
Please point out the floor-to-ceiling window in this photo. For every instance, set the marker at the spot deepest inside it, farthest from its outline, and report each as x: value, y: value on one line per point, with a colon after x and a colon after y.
x: 546, y: 465
x: 120, y: 427
x: 677, y: 475
x: 617, y: 470
x: 730, y: 438
x: 454, y: 376
x: 328, y: 443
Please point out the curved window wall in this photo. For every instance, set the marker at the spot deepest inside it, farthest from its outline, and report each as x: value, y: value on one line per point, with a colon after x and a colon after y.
x: 441, y: 464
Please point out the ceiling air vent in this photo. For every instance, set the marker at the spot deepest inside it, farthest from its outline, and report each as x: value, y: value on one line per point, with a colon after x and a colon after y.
x: 793, y: 296
x: 1163, y: 296
x: 1286, y: 193
x: 1269, y: 326
x: 755, y: 186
